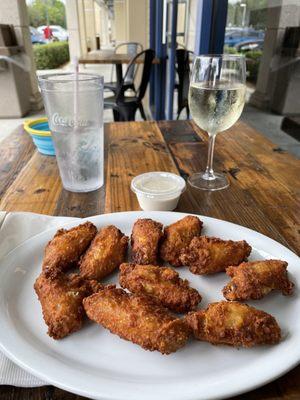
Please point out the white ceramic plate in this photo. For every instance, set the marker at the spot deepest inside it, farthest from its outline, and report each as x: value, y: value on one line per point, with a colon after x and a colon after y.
x: 97, y: 364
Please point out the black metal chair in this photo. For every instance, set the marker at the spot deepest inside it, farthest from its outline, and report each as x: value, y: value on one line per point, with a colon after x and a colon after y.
x: 183, y: 71
x: 132, y: 48
x: 124, y: 108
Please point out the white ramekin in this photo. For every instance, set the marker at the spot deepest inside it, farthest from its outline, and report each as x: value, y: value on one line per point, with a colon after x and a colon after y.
x: 158, y: 191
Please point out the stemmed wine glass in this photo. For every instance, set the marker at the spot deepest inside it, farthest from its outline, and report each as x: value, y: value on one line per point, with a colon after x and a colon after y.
x: 216, y: 99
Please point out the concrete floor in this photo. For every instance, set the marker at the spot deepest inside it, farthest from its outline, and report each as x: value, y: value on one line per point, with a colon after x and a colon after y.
x: 269, y: 125
x: 265, y: 122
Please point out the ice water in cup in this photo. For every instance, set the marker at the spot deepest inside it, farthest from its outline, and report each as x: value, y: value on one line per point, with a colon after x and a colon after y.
x: 76, y: 123
x: 80, y: 158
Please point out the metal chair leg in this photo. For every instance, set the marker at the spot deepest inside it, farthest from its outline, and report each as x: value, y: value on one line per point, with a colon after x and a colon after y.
x: 141, y: 108
x: 179, y: 112
x: 116, y: 115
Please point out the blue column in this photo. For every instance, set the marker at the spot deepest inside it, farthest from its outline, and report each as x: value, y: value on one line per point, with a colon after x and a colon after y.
x: 219, y: 19
x: 210, y: 26
x: 172, y: 60
x: 159, y: 69
x: 152, y: 46
x: 203, y: 26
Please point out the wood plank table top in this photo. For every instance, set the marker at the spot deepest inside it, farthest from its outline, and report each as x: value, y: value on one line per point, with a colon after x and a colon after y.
x: 263, y: 195
x: 111, y: 58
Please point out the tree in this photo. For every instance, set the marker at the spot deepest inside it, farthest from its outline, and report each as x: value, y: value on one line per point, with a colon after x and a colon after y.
x: 256, y: 13
x: 41, y: 10
x: 230, y: 14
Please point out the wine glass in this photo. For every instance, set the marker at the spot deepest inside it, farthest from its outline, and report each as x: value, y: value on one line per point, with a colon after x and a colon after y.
x: 216, y: 100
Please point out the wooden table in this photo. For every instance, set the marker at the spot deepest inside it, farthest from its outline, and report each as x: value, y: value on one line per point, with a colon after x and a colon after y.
x: 111, y: 58
x: 263, y: 195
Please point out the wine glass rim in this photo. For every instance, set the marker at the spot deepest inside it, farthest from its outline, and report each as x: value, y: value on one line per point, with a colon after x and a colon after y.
x: 220, y: 56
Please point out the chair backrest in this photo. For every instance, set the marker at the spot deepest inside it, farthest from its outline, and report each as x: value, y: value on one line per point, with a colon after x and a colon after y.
x: 183, y: 71
x: 132, y: 48
x: 149, y: 55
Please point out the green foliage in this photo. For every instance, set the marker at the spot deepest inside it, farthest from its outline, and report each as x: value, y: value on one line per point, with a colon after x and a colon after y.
x: 258, y: 10
x: 256, y: 13
x: 38, y: 10
x: 253, y: 59
x: 258, y: 18
x: 230, y: 50
x: 51, y: 55
x: 254, y: 54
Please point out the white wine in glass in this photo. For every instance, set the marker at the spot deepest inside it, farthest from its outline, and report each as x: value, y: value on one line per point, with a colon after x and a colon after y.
x: 216, y: 100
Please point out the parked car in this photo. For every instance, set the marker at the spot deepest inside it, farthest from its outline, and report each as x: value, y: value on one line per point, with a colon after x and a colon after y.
x: 237, y: 36
x: 58, y: 32
x: 250, y: 45
x: 36, y: 36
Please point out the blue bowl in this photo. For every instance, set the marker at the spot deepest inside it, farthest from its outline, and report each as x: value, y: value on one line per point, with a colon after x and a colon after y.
x: 44, y: 144
x: 41, y: 135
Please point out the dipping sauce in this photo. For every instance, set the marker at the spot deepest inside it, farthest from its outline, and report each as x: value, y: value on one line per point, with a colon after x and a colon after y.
x: 158, y: 191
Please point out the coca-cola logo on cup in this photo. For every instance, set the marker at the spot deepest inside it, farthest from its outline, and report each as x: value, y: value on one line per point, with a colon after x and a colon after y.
x: 68, y: 122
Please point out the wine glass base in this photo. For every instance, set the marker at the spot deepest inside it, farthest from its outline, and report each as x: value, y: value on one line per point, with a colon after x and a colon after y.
x: 199, y: 181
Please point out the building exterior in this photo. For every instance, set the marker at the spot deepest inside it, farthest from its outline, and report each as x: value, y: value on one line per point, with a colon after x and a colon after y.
x: 94, y: 24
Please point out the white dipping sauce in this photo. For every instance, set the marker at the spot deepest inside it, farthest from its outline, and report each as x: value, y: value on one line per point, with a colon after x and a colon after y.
x: 158, y: 191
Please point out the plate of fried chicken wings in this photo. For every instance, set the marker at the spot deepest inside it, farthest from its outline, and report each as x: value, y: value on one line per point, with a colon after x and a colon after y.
x: 145, y: 305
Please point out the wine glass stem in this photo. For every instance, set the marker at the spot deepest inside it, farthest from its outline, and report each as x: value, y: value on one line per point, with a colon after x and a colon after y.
x: 209, y: 172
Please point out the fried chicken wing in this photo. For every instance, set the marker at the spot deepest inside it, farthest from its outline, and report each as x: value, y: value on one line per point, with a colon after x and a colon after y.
x: 61, y: 298
x: 208, y: 255
x: 254, y: 280
x: 177, y: 236
x: 162, y: 283
x: 66, y: 247
x: 105, y: 254
x: 145, y: 238
x: 138, y: 319
x: 234, y: 324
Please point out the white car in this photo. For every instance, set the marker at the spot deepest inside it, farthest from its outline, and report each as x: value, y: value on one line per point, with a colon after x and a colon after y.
x: 58, y: 32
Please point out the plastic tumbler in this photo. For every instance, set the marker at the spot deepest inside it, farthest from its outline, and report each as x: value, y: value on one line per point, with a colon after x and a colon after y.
x: 74, y: 106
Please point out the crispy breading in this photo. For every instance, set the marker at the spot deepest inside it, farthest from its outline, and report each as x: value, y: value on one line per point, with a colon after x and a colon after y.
x: 106, y: 252
x: 61, y: 298
x: 162, y: 283
x: 177, y: 236
x: 145, y: 238
x: 208, y: 255
x: 234, y: 324
x: 67, y: 246
x: 254, y: 280
x: 138, y: 319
